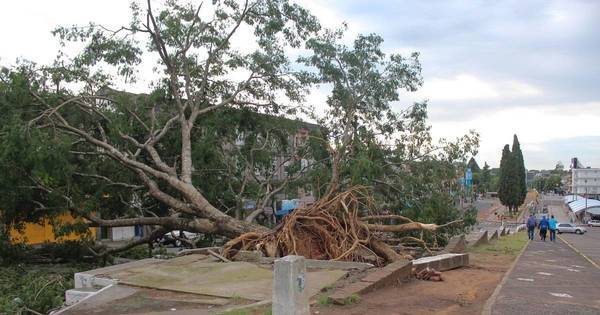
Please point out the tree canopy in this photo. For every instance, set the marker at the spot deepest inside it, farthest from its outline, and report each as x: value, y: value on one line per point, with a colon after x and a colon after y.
x: 204, y: 138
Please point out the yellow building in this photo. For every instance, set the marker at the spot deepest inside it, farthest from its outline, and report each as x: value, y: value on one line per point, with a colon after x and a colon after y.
x: 37, y: 233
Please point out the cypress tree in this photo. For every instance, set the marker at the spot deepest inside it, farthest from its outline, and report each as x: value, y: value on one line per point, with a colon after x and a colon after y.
x: 521, y: 176
x: 504, y: 182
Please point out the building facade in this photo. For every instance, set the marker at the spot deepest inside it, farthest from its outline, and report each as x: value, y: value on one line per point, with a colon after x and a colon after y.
x: 585, y: 182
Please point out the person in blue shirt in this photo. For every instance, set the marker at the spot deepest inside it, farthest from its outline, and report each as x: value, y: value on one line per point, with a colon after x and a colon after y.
x: 531, y: 226
x: 552, y: 225
x: 543, y: 228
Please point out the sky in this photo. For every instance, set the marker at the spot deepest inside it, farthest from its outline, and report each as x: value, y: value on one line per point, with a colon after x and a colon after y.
x: 529, y: 68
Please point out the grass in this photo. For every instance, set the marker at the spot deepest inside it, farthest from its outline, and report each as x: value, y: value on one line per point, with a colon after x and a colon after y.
x: 506, y: 245
x: 324, y: 300
x: 354, y: 298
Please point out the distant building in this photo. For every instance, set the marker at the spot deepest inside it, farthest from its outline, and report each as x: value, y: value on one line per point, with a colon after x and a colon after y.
x: 585, y: 182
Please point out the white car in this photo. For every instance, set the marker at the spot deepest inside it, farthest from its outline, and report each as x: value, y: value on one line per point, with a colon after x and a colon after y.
x: 174, y: 238
x: 593, y: 223
x: 570, y: 228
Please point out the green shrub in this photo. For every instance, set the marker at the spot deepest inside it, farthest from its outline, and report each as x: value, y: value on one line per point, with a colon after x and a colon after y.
x: 37, y: 287
x: 12, y: 253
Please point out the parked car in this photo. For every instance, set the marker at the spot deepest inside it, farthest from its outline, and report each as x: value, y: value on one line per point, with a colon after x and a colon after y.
x: 570, y: 228
x: 175, y: 238
x: 594, y: 223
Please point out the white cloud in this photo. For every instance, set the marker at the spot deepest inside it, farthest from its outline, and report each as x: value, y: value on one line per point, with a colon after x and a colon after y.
x: 521, y: 88
x: 535, y: 126
x: 461, y: 87
x: 467, y: 86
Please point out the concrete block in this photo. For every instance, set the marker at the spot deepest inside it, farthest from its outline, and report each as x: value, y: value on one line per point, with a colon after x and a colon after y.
x: 478, y: 238
x: 393, y: 274
x: 73, y: 296
x: 85, y: 280
x: 494, y: 236
x: 334, y: 264
x: 290, y: 296
x: 456, y: 244
x: 442, y: 262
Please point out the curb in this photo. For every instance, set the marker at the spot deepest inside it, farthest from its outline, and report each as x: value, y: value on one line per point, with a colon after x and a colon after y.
x: 487, y: 308
x: 579, y: 252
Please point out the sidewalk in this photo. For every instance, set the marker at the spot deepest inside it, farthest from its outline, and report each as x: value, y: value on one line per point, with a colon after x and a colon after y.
x: 549, y: 278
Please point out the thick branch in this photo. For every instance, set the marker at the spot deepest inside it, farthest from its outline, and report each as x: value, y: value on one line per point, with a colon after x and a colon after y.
x: 407, y: 227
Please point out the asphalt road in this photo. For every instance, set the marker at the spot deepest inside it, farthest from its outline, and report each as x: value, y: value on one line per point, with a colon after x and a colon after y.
x: 588, y: 243
x: 550, y: 278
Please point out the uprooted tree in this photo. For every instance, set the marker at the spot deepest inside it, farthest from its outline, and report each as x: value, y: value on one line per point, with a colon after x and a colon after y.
x: 146, y: 159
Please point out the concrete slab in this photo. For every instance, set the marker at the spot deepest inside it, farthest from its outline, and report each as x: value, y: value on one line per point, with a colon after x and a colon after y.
x: 101, y: 277
x: 456, y: 244
x: 442, y: 262
x: 121, y: 299
x: 477, y: 238
x: 197, y: 274
x: 73, y: 296
x: 391, y: 275
x: 341, y: 265
x: 494, y: 236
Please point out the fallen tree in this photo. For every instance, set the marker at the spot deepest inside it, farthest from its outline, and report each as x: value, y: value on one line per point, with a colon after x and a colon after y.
x: 330, y: 229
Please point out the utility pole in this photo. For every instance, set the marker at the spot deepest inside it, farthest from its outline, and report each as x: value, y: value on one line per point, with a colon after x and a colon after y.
x: 585, y: 209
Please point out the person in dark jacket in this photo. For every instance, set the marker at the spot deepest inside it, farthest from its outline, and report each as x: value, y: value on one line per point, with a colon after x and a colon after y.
x: 531, y: 226
x: 543, y: 228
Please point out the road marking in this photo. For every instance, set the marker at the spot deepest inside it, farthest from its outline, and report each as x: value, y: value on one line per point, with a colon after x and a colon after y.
x: 560, y: 295
x: 544, y: 273
x: 551, y: 260
x: 525, y: 279
x: 579, y: 252
x: 577, y: 266
x: 574, y: 270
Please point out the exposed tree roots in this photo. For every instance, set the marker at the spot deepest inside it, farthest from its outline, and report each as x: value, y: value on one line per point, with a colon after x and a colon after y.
x: 331, y: 229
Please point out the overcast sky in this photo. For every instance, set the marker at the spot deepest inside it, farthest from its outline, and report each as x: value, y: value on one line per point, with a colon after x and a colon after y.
x: 499, y: 67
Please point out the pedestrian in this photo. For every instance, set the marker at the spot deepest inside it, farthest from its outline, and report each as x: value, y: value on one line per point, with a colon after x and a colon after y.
x: 543, y: 228
x: 552, y: 225
x: 531, y: 226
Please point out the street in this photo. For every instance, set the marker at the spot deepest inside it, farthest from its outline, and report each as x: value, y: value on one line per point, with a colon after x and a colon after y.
x: 550, y: 278
x: 554, y: 278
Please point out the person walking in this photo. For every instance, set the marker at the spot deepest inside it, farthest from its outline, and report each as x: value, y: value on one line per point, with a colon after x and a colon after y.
x: 552, y: 225
x: 543, y: 228
x: 531, y: 226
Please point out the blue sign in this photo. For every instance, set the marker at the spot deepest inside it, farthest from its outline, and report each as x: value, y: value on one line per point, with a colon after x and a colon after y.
x: 469, y: 177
